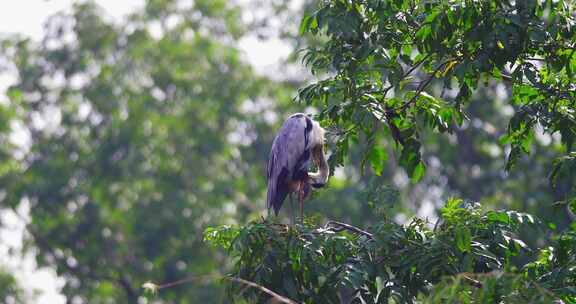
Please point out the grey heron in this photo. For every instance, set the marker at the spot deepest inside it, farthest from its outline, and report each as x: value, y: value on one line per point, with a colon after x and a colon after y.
x: 299, y: 141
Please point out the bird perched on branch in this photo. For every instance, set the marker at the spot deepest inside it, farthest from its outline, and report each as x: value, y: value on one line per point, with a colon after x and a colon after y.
x: 299, y: 141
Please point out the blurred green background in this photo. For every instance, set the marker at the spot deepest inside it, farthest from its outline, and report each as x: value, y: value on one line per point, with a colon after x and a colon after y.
x: 134, y: 135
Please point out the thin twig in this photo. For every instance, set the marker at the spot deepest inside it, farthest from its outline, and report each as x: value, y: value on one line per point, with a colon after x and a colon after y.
x: 276, y: 296
x: 535, y: 59
x: 422, y: 86
x: 265, y: 290
x: 378, y: 91
x: 545, y: 290
x: 406, y: 74
x: 343, y: 226
x: 188, y: 280
x: 415, y: 66
x: 341, y: 132
x: 473, y: 282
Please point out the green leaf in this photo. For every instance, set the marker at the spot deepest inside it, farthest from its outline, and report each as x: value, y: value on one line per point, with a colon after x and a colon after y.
x: 378, y: 157
x: 308, y: 24
x: 463, y: 239
x: 498, y: 217
x: 304, y: 24
x: 419, y: 172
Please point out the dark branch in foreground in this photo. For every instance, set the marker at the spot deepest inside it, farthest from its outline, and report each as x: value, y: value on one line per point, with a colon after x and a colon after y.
x: 473, y: 282
x: 342, y: 226
x: 422, y: 87
x: 279, y: 298
x: 276, y: 296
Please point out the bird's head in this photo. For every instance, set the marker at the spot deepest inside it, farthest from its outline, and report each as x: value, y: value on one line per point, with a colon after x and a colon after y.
x: 320, y: 178
x: 317, y: 134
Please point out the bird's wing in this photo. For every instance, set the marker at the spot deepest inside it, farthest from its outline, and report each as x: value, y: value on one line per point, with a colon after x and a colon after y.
x: 288, y: 155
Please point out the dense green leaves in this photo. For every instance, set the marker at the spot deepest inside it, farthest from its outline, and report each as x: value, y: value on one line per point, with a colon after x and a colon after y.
x: 143, y: 133
x: 383, y: 59
x: 563, y: 173
x: 465, y: 258
x: 403, y: 70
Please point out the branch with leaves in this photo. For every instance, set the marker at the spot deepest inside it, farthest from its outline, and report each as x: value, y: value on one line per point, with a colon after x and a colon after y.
x: 468, y: 251
x: 368, y: 54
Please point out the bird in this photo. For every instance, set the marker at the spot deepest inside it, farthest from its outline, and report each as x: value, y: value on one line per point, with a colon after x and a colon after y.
x: 299, y: 142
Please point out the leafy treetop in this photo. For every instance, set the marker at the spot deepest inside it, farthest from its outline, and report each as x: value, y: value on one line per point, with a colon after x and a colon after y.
x: 409, y: 65
x: 470, y: 256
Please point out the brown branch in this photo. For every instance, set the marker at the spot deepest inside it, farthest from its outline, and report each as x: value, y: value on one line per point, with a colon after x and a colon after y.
x: 343, y: 226
x: 545, y: 290
x: 473, y: 282
x: 406, y: 74
x: 276, y: 296
x: 507, y: 78
x: 341, y: 132
x: 422, y: 86
x: 384, y: 91
x: 188, y: 280
x: 415, y: 66
x: 191, y: 279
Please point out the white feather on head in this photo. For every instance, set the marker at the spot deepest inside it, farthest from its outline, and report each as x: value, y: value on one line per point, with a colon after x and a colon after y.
x: 320, y: 177
x: 317, y: 134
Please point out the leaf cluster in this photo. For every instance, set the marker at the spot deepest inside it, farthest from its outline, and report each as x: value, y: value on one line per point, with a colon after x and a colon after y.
x: 467, y: 257
x: 399, y: 67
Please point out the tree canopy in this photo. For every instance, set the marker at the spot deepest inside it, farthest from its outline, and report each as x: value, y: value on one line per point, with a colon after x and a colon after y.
x: 386, y: 55
x: 403, y: 69
x: 147, y: 139
x: 470, y: 256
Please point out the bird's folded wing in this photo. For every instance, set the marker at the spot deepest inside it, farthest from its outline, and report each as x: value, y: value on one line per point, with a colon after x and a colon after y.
x: 288, y: 149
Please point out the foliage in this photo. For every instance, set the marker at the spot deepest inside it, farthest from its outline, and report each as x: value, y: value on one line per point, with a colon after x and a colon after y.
x: 142, y: 133
x: 562, y: 175
x: 551, y: 276
x: 138, y: 135
x: 383, y: 56
x: 466, y: 257
x: 405, y: 69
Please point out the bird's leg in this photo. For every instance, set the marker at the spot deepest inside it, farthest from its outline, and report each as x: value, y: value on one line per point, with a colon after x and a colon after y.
x: 301, y: 200
x: 292, y: 212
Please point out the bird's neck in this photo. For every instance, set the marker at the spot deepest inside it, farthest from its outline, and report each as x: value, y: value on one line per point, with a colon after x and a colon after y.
x: 321, y: 176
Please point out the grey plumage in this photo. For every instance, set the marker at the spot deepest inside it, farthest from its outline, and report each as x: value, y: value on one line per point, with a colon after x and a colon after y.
x: 289, y: 159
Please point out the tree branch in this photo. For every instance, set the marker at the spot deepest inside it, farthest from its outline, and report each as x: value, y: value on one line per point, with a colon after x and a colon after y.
x: 191, y: 279
x: 343, y: 226
x: 406, y: 74
x: 276, y: 296
x: 422, y: 86
x: 415, y: 66
x: 472, y: 281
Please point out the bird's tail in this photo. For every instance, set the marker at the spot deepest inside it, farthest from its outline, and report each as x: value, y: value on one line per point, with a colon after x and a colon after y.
x: 277, y: 191
x: 275, y: 198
